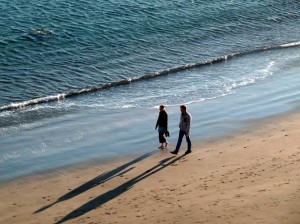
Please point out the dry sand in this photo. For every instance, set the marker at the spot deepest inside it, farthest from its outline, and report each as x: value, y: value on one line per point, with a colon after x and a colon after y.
x: 250, y: 177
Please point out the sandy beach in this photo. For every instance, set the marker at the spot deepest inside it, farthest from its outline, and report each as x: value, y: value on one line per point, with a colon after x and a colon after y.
x: 247, y: 177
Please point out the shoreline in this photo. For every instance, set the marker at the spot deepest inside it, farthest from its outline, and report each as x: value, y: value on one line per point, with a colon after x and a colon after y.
x: 247, y: 126
x: 61, y: 137
x: 250, y: 176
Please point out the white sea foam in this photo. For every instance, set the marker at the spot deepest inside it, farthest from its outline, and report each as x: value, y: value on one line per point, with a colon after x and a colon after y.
x: 293, y: 44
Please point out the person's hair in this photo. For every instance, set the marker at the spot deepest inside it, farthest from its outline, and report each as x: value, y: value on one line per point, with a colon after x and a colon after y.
x: 183, y: 107
x: 161, y: 107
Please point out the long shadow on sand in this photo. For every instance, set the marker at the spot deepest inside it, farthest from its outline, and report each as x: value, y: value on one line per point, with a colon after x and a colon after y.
x: 97, y: 180
x: 106, y: 197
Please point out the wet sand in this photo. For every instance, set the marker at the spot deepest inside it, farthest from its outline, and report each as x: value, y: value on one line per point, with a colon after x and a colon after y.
x: 247, y: 177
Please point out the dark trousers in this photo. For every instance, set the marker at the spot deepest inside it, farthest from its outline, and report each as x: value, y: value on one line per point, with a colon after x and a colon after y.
x: 161, y: 137
x: 161, y: 132
x: 188, y: 140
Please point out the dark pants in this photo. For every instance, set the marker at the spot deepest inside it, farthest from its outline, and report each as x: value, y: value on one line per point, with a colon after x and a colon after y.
x: 181, y: 134
x: 161, y: 132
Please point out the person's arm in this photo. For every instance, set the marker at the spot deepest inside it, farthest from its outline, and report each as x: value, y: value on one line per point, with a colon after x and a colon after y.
x: 188, y: 124
x: 167, y: 121
x: 157, y: 121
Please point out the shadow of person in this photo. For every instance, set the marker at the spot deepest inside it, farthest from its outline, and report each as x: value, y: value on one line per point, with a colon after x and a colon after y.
x: 98, y: 180
x: 106, y: 197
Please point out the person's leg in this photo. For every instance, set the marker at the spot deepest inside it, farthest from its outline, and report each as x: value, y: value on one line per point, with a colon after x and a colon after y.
x: 180, y: 136
x: 189, y: 143
x: 161, y: 139
x: 160, y: 136
x: 166, y: 144
x: 188, y: 140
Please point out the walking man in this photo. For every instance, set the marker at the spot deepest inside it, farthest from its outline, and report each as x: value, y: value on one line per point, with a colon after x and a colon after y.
x: 184, y: 130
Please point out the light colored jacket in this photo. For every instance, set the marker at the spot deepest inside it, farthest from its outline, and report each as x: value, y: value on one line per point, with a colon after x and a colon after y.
x: 185, y: 122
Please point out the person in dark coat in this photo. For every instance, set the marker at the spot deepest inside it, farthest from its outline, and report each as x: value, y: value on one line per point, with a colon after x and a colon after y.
x: 162, y: 125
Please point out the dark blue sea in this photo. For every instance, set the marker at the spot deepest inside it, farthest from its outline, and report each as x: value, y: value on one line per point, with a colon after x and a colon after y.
x: 82, y: 80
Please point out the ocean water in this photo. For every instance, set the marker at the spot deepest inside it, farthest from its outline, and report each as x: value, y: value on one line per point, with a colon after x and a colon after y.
x: 81, y: 80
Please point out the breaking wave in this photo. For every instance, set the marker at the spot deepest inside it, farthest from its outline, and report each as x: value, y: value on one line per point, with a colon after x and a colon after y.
x: 174, y: 70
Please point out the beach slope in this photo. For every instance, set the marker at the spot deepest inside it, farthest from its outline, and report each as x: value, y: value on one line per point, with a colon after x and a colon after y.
x: 249, y: 177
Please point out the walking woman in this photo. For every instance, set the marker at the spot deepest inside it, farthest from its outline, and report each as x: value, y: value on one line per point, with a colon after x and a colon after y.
x: 162, y: 125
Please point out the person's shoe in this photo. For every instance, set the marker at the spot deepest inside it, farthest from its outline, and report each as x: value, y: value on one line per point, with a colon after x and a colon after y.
x: 161, y: 147
x: 174, y: 152
x: 188, y: 151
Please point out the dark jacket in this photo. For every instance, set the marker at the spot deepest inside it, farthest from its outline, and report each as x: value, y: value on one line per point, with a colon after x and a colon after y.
x: 162, y: 120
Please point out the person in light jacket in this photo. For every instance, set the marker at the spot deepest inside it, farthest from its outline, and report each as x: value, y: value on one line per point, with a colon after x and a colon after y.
x: 184, y: 130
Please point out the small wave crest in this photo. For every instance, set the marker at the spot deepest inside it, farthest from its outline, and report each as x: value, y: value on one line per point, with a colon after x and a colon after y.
x: 38, y: 34
x: 168, y: 71
x: 293, y: 44
x: 32, y: 102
